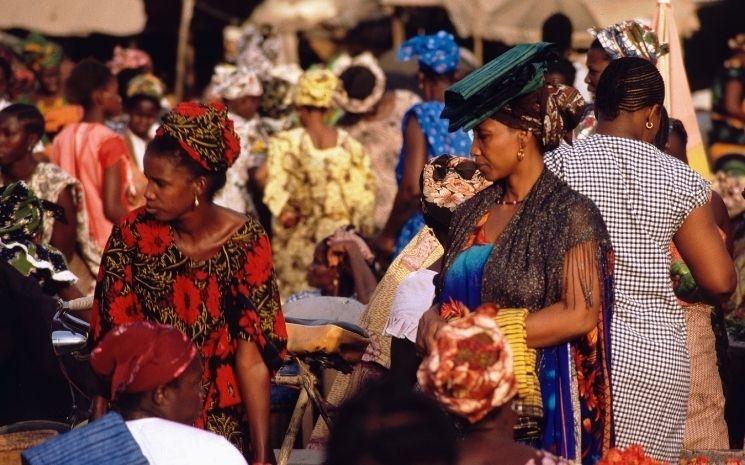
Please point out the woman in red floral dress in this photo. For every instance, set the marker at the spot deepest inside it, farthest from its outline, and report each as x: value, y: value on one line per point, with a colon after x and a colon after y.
x: 207, y: 270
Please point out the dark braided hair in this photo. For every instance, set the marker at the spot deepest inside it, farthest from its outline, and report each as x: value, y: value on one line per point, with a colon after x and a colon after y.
x: 628, y: 84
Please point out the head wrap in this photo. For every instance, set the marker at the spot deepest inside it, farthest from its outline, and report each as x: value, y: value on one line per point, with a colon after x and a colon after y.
x: 146, y: 84
x: 39, y: 53
x: 729, y: 183
x: 437, y: 53
x: 258, y: 49
x: 139, y: 357
x: 276, y: 102
x: 470, y: 369
x: 231, y: 82
x: 737, y: 42
x: 316, y: 88
x: 128, y: 58
x: 368, y: 61
x: 21, y: 222
x: 447, y: 182
x: 204, y: 132
x: 548, y: 113
x: 630, y: 39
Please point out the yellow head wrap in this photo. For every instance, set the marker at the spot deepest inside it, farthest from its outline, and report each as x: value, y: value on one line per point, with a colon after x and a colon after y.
x: 316, y: 88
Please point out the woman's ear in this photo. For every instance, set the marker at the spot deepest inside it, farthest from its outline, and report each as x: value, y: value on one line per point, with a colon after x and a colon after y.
x: 655, y: 115
x: 200, y: 184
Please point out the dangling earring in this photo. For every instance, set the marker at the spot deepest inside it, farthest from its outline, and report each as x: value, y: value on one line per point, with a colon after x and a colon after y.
x: 196, y: 200
x: 520, y: 154
x: 521, y: 150
x: 649, y: 125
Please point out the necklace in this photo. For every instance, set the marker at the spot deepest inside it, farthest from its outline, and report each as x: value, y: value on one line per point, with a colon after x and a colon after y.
x: 509, y: 202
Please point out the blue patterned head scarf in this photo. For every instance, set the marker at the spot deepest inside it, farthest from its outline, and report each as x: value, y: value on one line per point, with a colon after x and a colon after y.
x: 437, y: 53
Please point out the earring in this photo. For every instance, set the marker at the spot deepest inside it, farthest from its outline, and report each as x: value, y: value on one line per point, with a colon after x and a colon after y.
x: 649, y: 125
x: 196, y: 200
x: 520, y: 154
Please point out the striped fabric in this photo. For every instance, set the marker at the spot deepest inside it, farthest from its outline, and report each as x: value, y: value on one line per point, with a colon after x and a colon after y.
x: 106, y: 440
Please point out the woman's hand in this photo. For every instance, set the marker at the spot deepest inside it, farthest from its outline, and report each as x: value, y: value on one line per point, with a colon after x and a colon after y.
x: 429, y: 325
x: 289, y: 218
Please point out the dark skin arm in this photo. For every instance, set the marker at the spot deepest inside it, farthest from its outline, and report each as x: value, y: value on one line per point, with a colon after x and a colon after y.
x: 733, y: 97
x: 703, y: 250
x: 64, y: 236
x: 409, y: 192
x: 721, y: 218
x: 113, y: 208
x: 254, y: 381
x: 364, y: 279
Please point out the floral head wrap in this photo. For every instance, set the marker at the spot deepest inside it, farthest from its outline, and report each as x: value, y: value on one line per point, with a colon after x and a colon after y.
x: 368, y: 61
x: 737, y: 42
x: 40, y: 53
x: 128, y: 58
x: 21, y: 222
x: 139, y: 357
x: 316, y: 88
x: 548, y: 113
x: 470, y: 369
x: 146, y: 84
x: 204, y: 132
x: 437, y: 53
x: 447, y: 182
x: 231, y: 82
x: 630, y: 39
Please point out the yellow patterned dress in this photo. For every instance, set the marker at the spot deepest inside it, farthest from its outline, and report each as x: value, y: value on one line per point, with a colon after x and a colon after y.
x: 329, y: 188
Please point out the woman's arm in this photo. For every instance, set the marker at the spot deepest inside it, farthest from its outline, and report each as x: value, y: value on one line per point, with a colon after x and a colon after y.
x: 65, y: 236
x: 721, y: 218
x: 364, y: 279
x: 253, y: 378
x: 703, y: 250
x: 733, y: 96
x: 407, y: 199
x: 113, y: 208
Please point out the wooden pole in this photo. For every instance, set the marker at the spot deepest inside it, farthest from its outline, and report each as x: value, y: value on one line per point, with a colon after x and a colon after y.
x: 187, y: 13
x: 398, y: 30
x: 478, y: 49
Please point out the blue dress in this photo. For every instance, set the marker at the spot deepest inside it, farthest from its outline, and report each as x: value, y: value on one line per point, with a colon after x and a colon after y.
x: 439, y: 142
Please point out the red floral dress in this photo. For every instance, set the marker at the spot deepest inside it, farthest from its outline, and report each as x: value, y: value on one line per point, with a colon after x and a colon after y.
x: 231, y: 296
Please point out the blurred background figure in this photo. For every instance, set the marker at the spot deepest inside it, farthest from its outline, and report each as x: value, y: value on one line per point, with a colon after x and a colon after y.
x: 728, y: 96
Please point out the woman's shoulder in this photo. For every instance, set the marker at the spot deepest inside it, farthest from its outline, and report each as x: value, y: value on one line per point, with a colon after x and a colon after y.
x: 51, y: 173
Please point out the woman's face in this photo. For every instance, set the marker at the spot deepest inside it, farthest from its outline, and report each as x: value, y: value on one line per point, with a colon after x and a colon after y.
x: 109, y: 98
x: 142, y: 116
x: 14, y: 142
x: 597, y: 61
x: 185, y: 397
x: 171, y: 187
x: 495, y: 148
x: 50, y: 80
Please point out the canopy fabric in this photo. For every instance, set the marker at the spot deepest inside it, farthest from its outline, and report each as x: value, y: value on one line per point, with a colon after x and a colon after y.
x: 75, y: 17
x: 301, y: 15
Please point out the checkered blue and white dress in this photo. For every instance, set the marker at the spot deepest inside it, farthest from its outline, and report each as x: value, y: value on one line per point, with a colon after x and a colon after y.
x: 644, y: 196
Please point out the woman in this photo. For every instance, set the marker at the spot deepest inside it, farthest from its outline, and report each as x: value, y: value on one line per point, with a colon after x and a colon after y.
x: 373, y: 117
x: 93, y: 153
x: 205, y: 269
x: 538, y: 249
x: 647, y: 199
x: 475, y: 345
x: 728, y: 97
x: 318, y: 179
x: 156, y: 394
x: 240, y: 90
x: 21, y: 128
x: 425, y: 135
x: 44, y: 59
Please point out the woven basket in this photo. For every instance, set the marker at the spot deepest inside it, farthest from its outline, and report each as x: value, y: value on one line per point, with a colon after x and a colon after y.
x: 11, y: 445
x: 714, y: 457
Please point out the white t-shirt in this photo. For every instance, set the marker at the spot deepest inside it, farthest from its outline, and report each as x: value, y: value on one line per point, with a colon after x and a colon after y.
x: 165, y: 442
x: 413, y: 297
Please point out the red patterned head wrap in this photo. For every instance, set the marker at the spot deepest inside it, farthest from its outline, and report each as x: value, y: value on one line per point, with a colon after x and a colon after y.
x: 205, y: 133
x: 139, y: 357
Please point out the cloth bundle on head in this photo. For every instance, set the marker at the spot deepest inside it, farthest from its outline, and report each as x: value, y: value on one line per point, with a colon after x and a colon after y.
x: 470, y: 368
x: 258, y: 49
x: 367, y: 61
x: 146, y: 84
x: 232, y: 82
x: 630, y: 39
x: 316, y: 88
x: 139, y: 357
x: 447, y: 182
x: 737, y: 42
x: 204, y: 132
x: 39, y: 53
x: 511, y: 89
x: 437, y: 53
x: 129, y: 58
x: 21, y: 223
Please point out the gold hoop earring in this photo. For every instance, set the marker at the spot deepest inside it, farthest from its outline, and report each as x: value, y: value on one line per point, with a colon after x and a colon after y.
x: 196, y: 200
x: 649, y: 125
x: 521, y: 154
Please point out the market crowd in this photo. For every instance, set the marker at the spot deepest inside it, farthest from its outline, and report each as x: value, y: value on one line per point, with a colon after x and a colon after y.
x: 541, y: 270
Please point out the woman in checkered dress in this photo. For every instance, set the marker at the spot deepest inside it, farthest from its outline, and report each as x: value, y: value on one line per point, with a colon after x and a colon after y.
x: 647, y: 199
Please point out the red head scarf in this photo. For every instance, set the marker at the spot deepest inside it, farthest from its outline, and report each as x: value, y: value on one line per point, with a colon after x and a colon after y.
x: 141, y: 356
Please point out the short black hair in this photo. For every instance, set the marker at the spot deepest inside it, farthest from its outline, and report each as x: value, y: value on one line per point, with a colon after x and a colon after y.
x: 6, y: 69
x: 358, y: 82
x: 678, y: 128
x: 597, y: 45
x: 87, y: 77
x: 558, y: 30
x: 431, y: 75
x: 167, y: 145
x: 663, y: 132
x: 565, y: 68
x: 387, y: 424
x: 28, y: 115
x: 134, y: 100
x: 628, y: 84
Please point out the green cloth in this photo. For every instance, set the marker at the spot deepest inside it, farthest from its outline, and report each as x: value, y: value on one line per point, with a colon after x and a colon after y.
x: 517, y: 72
